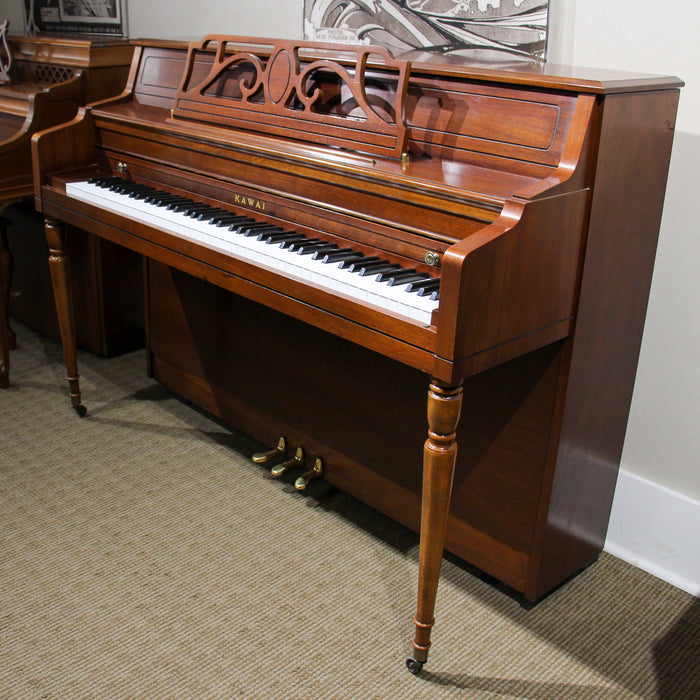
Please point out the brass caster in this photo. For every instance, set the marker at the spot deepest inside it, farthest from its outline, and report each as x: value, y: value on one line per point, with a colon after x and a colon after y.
x: 279, y: 451
x: 80, y: 410
x: 296, y: 461
x: 316, y: 473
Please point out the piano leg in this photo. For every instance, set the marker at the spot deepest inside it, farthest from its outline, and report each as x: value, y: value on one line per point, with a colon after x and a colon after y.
x: 60, y: 279
x: 7, y: 337
x: 439, y: 455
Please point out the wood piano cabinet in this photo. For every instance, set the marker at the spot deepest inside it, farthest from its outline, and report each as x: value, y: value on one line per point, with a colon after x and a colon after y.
x: 523, y: 202
x: 51, y: 77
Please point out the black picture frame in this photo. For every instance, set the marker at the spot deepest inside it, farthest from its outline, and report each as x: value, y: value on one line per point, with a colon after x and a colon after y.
x: 106, y: 17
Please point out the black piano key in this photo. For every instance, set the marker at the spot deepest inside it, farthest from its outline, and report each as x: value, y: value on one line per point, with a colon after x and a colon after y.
x: 428, y: 292
x: 293, y: 246
x: 354, y: 265
x: 119, y: 182
x: 143, y: 194
x: 341, y: 256
x: 385, y: 276
x: 138, y: 187
x: 280, y: 236
x: 247, y: 228
x: 194, y: 208
x: 405, y: 279
x: 229, y: 220
x: 307, y: 249
x: 104, y: 181
x: 166, y: 199
x: 424, y: 287
x: 321, y: 254
x: 374, y: 269
x: 259, y: 231
x: 237, y: 225
x: 180, y: 205
x: 211, y: 215
x: 435, y: 296
x: 158, y: 196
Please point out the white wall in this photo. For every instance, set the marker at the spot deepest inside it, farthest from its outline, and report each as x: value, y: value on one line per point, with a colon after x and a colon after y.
x: 663, y: 438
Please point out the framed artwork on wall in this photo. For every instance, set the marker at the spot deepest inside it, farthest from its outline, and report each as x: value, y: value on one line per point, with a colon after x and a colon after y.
x: 473, y: 28
x: 76, y: 16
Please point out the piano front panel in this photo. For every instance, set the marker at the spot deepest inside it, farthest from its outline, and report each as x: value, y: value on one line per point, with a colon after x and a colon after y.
x: 364, y: 413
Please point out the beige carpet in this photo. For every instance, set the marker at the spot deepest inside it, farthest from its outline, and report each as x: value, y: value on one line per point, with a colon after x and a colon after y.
x: 143, y: 555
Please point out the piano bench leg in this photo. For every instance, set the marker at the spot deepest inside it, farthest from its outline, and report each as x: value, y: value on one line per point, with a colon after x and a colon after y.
x: 59, y: 267
x: 439, y: 456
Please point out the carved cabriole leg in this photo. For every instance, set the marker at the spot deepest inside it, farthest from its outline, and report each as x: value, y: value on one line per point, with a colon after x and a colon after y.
x: 7, y: 337
x: 439, y: 455
x: 58, y: 264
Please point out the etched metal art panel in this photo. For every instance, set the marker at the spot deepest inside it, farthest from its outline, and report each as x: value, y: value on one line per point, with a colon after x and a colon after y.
x: 346, y: 96
x: 473, y: 28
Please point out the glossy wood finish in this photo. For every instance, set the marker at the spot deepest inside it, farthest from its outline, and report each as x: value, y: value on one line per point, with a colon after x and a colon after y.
x: 51, y: 78
x: 439, y: 458
x: 520, y: 182
x: 293, y: 94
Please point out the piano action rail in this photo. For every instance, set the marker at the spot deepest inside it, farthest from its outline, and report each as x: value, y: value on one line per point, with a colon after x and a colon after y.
x: 493, y: 187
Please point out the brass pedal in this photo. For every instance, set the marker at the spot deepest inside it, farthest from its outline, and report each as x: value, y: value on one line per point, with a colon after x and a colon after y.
x: 315, y: 473
x: 296, y: 461
x: 279, y: 451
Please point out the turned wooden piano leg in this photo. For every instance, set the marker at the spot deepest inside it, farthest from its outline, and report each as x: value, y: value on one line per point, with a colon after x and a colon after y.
x: 60, y: 278
x: 439, y: 455
x: 7, y: 337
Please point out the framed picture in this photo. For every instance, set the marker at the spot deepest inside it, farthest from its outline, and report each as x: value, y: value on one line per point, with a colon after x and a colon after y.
x: 79, y: 16
x: 502, y: 29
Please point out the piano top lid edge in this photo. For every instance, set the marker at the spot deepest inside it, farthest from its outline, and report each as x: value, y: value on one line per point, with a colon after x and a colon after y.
x: 539, y: 74
x: 75, y: 50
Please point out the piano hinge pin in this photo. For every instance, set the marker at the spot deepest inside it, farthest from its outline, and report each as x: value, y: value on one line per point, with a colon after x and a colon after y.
x: 279, y: 451
x: 432, y: 258
x: 315, y: 473
x: 296, y: 461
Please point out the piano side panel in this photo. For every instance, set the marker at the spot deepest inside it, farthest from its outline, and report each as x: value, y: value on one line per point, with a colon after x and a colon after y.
x: 363, y: 413
x: 633, y: 158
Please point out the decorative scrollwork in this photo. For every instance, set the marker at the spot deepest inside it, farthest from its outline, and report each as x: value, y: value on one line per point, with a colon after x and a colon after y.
x: 346, y: 96
x: 6, y: 60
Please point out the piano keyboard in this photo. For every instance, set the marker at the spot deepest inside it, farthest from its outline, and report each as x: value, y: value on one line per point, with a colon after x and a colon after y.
x: 368, y: 279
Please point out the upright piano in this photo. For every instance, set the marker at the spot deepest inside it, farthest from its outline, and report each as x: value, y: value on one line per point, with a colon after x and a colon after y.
x: 50, y: 77
x: 331, y: 233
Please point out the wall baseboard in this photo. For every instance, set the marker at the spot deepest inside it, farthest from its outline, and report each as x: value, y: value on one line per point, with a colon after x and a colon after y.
x: 656, y: 530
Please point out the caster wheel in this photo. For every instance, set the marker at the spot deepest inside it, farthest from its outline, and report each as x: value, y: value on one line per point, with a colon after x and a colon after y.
x: 80, y: 410
x: 414, y: 666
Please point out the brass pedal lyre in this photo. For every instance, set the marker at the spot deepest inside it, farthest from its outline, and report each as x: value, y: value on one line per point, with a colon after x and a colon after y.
x: 279, y: 451
x: 296, y: 461
x: 315, y: 473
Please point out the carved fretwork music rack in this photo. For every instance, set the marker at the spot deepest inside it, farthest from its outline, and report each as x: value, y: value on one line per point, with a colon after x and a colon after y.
x: 288, y: 89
